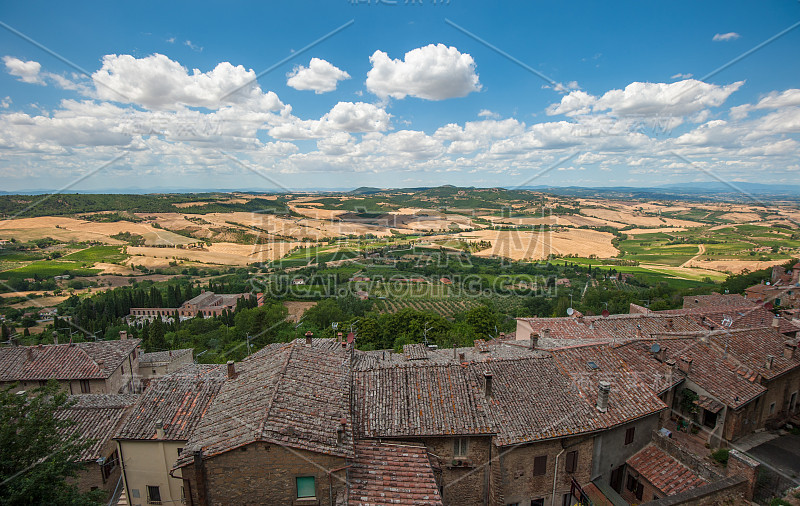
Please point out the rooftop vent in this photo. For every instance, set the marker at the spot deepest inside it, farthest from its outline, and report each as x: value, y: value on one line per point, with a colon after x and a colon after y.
x: 160, y: 429
x: 231, y: 369
x: 309, y: 337
x: 770, y: 360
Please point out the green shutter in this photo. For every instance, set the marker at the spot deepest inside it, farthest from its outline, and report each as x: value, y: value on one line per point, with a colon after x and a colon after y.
x: 306, y: 486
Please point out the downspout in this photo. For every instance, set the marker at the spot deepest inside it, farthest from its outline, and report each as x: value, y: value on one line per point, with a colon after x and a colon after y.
x: 330, y: 480
x: 124, y: 472
x: 555, y: 477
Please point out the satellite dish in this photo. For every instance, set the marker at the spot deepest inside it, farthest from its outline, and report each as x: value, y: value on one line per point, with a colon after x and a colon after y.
x: 605, y: 313
x: 570, y: 311
x: 768, y: 306
x: 655, y: 348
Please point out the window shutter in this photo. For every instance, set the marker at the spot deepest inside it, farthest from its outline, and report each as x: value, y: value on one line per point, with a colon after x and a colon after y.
x: 572, y: 457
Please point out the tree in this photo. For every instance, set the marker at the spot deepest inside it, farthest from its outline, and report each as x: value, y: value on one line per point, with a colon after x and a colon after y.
x: 38, y: 449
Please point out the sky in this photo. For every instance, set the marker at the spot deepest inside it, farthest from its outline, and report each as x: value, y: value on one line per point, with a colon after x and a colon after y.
x: 340, y: 94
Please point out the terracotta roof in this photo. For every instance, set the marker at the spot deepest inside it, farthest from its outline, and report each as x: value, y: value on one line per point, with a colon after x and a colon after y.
x: 163, y: 356
x: 613, y: 327
x: 96, y: 417
x: 93, y: 360
x: 638, y: 357
x: 179, y: 400
x: 392, y: 473
x: 715, y: 299
x: 418, y: 400
x: 293, y: 395
x: 665, y: 473
x: 751, y: 347
x: 712, y: 317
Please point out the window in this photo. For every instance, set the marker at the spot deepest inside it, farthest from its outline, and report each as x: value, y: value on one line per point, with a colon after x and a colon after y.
x: 772, y: 408
x: 153, y: 494
x: 630, y: 484
x: 154, y: 371
x: 85, y: 389
x: 540, y: 465
x: 571, y: 462
x: 629, y: 435
x: 109, y: 465
x: 538, y: 502
x: 179, y: 451
x: 460, y: 447
x: 639, y: 490
x: 306, y: 487
x: 567, y: 501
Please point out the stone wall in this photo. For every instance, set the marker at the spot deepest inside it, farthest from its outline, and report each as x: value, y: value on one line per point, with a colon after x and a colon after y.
x: 731, y: 490
x: 263, y: 473
x: 467, y: 483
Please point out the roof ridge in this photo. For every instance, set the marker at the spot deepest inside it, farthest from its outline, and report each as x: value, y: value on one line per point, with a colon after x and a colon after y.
x: 271, y: 402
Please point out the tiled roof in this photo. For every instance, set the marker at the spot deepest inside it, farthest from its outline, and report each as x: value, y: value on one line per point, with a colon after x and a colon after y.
x: 419, y: 399
x: 738, y: 317
x: 93, y: 360
x: 638, y: 357
x: 179, y: 400
x: 292, y: 394
x: 96, y: 417
x: 751, y: 347
x: 392, y: 473
x: 715, y: 299
x: 630, y: 397
x: 613, y: 327
x: 163, y: 356
x: 665, y: 473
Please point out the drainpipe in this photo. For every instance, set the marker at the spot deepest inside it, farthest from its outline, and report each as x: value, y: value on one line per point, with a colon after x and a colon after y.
x: 330, y: 480
x: 555, y: 477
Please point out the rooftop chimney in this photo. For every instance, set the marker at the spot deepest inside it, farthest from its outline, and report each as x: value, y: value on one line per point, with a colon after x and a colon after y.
x: 309, y: 336
x: 602, y: 396
x: 502, y: 335
x: 776, y: 321
x: 789, y: 349
x: 455, y: 355
x: 685, y: 364
x: 661, y: 354
x: 534, y: 340
x: 546, y: 333
x: 30, y: 354
x: 231, y: 369
x: 339, y: 337
x: 160, y: 429
x: 487, y: 384
x: 344, y: 345
x: 123, y: 335
x: 55, y: 337
x: 461, y: 357
x: 770, y: 359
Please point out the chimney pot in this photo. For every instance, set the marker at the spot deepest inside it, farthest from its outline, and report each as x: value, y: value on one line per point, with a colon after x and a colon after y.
x: 603, y: 390
x: 55, y: 337
x: 487, y: 383
x: 770, y: 359
x: 30, y: 354
x: 776, y: 321
x: 789, y: 348
x: 309, y: 336
x: 685, y: 365
x: 546, y: 333
x: 461, y: 357
x: 231, y: 369
x: 160, y: 429
x: 123, y: 335
x: 339, y: 337
x: 534, y: 340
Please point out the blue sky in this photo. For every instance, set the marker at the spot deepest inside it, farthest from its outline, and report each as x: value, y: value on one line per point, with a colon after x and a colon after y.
x: 406, y: 94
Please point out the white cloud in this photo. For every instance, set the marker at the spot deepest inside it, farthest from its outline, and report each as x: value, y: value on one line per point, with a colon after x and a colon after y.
x: 343, y: 117
x: 725, y: 37
x: 486, y: 113
x: 193, y: 47
x: 26, y: 71
x: 320, y: 76
x: 648, y: 99
x: 156, y: 82
x: 681, y: 76
x: 433, y: 72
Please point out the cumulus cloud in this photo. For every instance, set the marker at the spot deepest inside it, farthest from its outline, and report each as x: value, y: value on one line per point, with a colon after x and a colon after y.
x: 432, y: 72
x: 642, y: 99
x: 320, y: 76
x: 774, y: 100
x: 26, y: 71
x: 725, y: 37
x: 157, y: 82
x: 349, y: 117
x: 486, y: 113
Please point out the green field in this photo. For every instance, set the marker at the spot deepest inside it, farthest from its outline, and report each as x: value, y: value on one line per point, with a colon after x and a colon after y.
x: 109, y: 254
x: 48, y: 269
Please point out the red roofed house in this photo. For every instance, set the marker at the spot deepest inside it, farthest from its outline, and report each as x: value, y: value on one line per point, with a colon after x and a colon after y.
x: 158, y: 427
x: 102, y: 367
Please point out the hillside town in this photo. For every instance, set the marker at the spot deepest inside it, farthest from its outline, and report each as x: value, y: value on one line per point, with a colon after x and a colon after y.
x: 606, y: 409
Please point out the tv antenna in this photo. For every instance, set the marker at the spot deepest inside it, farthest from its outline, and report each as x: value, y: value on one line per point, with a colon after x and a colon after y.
x: 425, y: 333
x: 727, y: 321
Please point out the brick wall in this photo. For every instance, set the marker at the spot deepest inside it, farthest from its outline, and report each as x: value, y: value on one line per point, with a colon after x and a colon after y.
x: 468, y: 483
x: 262, y: 473
x: 517, y: 467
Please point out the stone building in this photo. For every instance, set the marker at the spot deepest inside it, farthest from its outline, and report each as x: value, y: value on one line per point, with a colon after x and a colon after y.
x: 96, y: 417
x: 158, y: 363
x: 158, y: 427
x: 102, y: 367
x: 207, y: 304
